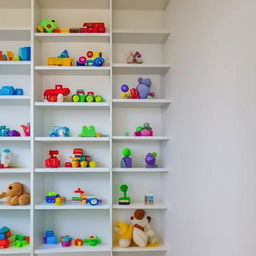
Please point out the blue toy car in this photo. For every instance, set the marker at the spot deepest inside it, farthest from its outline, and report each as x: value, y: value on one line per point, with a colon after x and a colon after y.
x: 9, y: 90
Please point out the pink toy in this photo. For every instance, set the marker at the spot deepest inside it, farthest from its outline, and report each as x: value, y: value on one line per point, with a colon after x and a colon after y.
x: 26, y: 129
x: 144, y: 130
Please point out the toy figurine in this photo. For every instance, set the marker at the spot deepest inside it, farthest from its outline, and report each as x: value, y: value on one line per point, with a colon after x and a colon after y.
x: 126, y: 161
x: 50, y: 238
x: 65, y: 241
x: 5, y: 233
x: 59, y: 131
x: 150, y: 160
x: 5, y: 158
x: 133, y: 58
x: 143, y: 88
x: 4, y: 131
x: 57, y: 94
x: 53, y: 161
x: 92, y: 241
x: 124, y: 200
x: 144, y: 130
x: 14, y: 133
x: 26, y: 129
x: 48, y: 26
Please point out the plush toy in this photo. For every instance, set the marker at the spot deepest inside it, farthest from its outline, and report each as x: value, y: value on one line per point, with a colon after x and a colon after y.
x: 59, y: 131
x: 5, y: 158
x: 143, y: 88
x: 4, y: 131
x: 48, y: 26
x: 133, y: 58
x: 124, y: 234
x: 26, y: 129
x: 15, y: 195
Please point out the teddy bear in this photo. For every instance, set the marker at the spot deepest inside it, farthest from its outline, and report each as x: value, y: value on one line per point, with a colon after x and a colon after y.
x: 143, y: 88
x: 142, y: 232
x: 15, y: 195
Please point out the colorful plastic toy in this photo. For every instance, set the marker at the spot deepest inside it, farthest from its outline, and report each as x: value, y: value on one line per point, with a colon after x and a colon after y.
x: 129, y: 94
x: 150, y: 160
x: 93, y: 28
x: 149, y: 199
x: 65, y: 241
x: 53, y: 198
x: 50, y: 238
x: 92, y: 241
x: 126, y: 161
x: 124, y: 200
x: 91, y: 59
x: 48, y: 26
x: 5, y: 158
x: 144, y: 130
x: 53, y: 161
x: 62, y: 60
x: 14, y: 133
x: 4, y: 131
x: 80, y: 96
x: 5, y: 233
x: 81, y: 197
x: 21, y: 241
x: 57, y: 94
x: 59, y: 131
x: 79, y: 242
x: 2, y: 56
x: 80, y: 160
x: 25, y: 53
x: 133, y: 57
x: 26, y: 129
x: 9, y: 90
x: 89, y: 132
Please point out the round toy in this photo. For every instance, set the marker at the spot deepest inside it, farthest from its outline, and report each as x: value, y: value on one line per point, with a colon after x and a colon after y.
x: 126, y: 152
x: 82, y: 60
x: 124, y: 88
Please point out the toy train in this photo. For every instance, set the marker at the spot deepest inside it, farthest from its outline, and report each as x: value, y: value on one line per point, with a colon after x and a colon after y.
x: 54, y: 95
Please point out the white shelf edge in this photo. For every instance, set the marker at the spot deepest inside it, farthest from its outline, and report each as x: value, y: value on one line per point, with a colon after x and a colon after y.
x: 144, y: 170
x: 72, y: 35
x: 59, y: 139
x: 14, y: 207
x: 15, y: 29
x: 126, y: 65
x: 15, y: 170
x: 14, y: 250
x: 72, y: 104
x: 139, y: 249
x: 141, y: 205
x: 74, y: 68
x: 15, y: 63
x: 140, y: 138
x: 15, y: 138
x: 141, y: 102
x: 72, y: 170
x: 14, y: 97
x: 69, y: 206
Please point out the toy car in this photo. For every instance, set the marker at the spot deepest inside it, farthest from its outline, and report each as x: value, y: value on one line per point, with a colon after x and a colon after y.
x: 52, y: 95
x: 93, y: 28
x: 9, y: 90
x: 53, y: 161
x: 92, y: 59
x: 56, y: 61
x: 80, y: 96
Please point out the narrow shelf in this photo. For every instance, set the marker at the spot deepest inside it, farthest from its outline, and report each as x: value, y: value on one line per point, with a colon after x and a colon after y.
x: 71, y: 139
x: 140, y: 5
x: 15, y: 170
x: 72, y: 70
x: 140, y: 138
x: 71, y: 170
x: 15, y: 63
x: 123, y: 68
x: 73, y: 37
x: 139, y: 249
x: 69, y: 205
x: 140, y: 37
x: 146, y: 170
x: 15, y: 138
x: 57, y: 248
x: 142, y: 103
x: 141, y: 205
x: 14, y: 100
x: 15, y: 250
x: 3, y: 206
x: 72, y: 105
x: 15, y: 33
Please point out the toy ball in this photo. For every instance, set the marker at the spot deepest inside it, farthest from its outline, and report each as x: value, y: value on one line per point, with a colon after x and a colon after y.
x: 82, y: 60
x: 92, y: 164
x: 126, y: 152
x: 124, y: 88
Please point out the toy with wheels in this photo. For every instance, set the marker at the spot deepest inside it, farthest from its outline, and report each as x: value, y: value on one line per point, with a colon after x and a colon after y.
x: 56, y: 94
x: 91, y: 59
x: 48, y: 26
x: 80, y: 96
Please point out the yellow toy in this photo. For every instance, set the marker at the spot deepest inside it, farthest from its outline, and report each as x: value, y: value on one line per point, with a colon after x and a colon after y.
x: 55, y: 61
x: 124, y: 234
x: 10, y: 55
x: 59, y: 200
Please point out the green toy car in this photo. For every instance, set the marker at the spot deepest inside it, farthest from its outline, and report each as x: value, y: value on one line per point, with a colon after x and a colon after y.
x: 48, y: 26
x: 92, y: 241
x: 80, y: 96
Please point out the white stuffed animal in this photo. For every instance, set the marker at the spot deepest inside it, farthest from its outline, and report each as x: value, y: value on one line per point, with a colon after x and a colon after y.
x: 5, y: 157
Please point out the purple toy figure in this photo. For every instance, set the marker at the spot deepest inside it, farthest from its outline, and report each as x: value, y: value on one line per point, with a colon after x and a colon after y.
x: 150, y: 160
x: 143, y: 88
x: 14, y: 133
x: 126, y: 161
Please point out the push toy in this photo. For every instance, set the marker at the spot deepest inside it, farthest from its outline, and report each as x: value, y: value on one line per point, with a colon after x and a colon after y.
x: 21, y: 241
x: 126, y: 161
x: 5, y: 158
x: 80, y: 96
x: 91, y: 59
x: 53, y: 161
x: 124, y: 200
x: 65, y: 241
x: 124, y: 234
x: 93, y: 28
x: 144, y: 130
x: 26, y: 129
x: 10, y: 90
x: 92, y: 241
x: 133, y: 57
x: 80, y: 160
x: 15, y: 194
x: 5, y: 233
x: 79, y: 242
x: 50, y: 238
x: 85, y: 199
x: 62, y: 60
x: 59, y: 131
x: 150, y: 160
x: 57, y: 94
x: 48, y: 26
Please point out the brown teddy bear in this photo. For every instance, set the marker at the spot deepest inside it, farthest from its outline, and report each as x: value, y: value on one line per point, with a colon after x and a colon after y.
x: 15, y: 195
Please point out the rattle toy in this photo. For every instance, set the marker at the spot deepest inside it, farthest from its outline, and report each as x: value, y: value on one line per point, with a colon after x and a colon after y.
x: 126, y: 161
x: 150, y: 160
x: 124, y: 200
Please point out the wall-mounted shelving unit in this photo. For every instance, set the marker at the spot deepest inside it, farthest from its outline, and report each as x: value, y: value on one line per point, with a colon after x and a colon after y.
x: 130, y: 25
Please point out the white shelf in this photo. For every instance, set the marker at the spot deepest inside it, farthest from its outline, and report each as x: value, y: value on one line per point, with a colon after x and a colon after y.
x: 15, y: 170
x: 140, y: 5
x: 141, y: 103
x: 15, y: 34
x: 69, y: 205
x: 140, y: 138
x: 15, y: 63
x: 73, y: 37
x: 15, y: 250
x: 3, y: 206
x: 71, y: 139
x: 72, y: 170
x: 144, y: 170
x: 141, y: 205
x: 72, y: 105
x: 57, y: 248
x: 15, y: 138
x: 139, y: 249
x: 123, y: 68
x: 14, y: 100
x: 72, y: 70
x: 140, y: 37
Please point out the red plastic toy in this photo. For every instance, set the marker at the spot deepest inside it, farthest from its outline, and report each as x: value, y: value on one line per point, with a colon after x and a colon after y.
x: 54, y: 95
x: 134, y: 93
x: 4, y: 243
x: 93, y: 28
x: 53, y: 161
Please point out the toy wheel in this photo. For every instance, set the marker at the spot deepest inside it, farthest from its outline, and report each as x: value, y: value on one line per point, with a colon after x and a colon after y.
x: 92, y: 164
x: 75, y: 98
x: 98, y: 98
x: 98, y: 62
x: 94, y: 202
x: 90, y: 54
x: 89, y: 98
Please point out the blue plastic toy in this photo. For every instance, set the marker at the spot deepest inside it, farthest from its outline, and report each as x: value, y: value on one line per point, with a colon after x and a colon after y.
x: 50, y: 238
x: 9, y: 90
x: 25, y: 53
x: 4, y: 131
x: 143, y: 88
x: 59, y: 131
x: 64, y: 54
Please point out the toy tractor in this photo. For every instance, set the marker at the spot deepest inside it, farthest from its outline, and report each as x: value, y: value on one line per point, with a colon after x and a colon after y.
x: 80, y: 96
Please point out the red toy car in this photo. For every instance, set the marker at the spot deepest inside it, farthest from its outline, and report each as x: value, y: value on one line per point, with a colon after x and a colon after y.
x: 51, y: 95
x: 93, y: 28
x: 4, y: 243
x: 53, y: 161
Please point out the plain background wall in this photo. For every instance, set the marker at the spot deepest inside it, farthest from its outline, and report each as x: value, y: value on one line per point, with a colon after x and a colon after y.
x: 212, y: 188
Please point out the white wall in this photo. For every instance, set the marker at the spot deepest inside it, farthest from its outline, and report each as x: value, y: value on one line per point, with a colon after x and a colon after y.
x: 212, y: 121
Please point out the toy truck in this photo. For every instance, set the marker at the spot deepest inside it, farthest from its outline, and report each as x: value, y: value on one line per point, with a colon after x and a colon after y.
x: 80, y: 96
x: 54, y: 95
x: 93, y: 28
x: 56, y: 61
x: 53, y: 161
x: 10, y: 90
